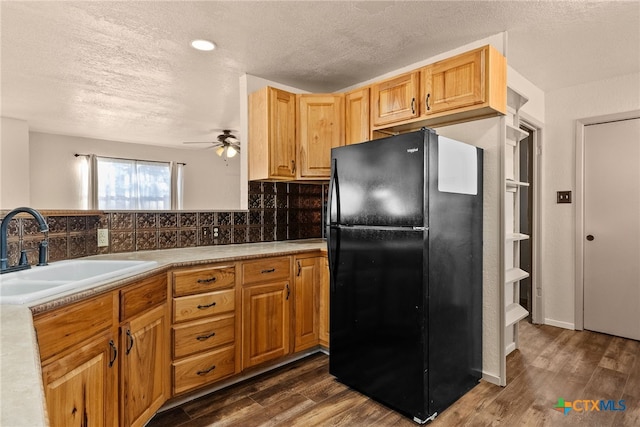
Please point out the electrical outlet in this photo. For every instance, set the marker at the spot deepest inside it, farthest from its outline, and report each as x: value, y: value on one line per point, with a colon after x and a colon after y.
x: 215, y: 231
x: 103, y: 237
x: 563, y: 197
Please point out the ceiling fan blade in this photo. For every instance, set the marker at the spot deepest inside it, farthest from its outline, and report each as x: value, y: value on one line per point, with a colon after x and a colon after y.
x: 197, y: 142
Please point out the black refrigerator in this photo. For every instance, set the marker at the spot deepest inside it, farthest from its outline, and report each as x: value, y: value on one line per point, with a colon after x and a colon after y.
x: 404, y: 236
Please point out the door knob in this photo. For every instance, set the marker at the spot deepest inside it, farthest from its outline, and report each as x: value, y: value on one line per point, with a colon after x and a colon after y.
x: 590, y: 237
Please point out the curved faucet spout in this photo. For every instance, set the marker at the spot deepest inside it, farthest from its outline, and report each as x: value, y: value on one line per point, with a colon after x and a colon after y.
x: 3, y: 231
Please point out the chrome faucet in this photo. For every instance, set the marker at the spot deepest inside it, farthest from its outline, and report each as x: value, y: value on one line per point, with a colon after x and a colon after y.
x: 23, y: 264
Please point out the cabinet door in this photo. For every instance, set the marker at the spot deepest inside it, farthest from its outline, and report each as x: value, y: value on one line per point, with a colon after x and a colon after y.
x: 265, y: 322
x: 80, y: 387
x: 272, y: 133
x: 324, y: 302
x: 282, y: 134
x: 306, y: 303
x: 357, y: 115
x: 454, y: 83
x: 145, y: 366
x: 395, y: 99
x: 320, y: 128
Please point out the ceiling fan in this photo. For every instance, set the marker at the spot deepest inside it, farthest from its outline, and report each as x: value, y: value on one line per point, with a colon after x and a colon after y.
x: 226, y: 144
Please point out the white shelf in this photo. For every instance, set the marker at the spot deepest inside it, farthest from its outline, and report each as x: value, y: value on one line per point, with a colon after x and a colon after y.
x: 515, y: 135
x: 517, y: 237
x: 515, y: 313
x: 513, y: 184
x: 515, y: 100
x: 514, y: 274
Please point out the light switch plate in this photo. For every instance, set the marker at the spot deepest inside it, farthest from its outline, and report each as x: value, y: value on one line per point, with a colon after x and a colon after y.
x: 103, y: 237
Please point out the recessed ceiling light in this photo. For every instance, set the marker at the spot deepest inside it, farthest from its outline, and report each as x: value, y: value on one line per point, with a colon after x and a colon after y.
x: 203, y: 45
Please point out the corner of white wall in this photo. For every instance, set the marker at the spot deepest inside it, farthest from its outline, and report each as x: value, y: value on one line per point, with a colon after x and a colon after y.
x: 563, y: 107
x: 14, y: 163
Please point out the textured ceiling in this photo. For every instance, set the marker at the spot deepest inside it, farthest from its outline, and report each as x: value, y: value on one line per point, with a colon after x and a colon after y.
x: 124, y: 70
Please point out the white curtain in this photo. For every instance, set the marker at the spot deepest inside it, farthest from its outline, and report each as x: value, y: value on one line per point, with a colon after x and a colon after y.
x: 177, y: 185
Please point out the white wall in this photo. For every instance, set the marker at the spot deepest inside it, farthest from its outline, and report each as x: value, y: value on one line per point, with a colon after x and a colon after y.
x: 486, y: 134
x: 563, y: 107
x: 209, y: 182
x: 14, y: 163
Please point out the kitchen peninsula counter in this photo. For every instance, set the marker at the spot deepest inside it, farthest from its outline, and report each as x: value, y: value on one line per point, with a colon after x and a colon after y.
x: 21, y: 389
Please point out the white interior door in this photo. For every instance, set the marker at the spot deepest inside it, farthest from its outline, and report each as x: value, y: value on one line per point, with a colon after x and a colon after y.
x: 612, y: 228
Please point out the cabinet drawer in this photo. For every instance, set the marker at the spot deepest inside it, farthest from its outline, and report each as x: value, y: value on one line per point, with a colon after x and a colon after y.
x: 203, y: 305
x: 266, y: 270
x: 198, y: 280
x: 203, y: 369
x: 62, y: 328
x: 143, y: 296
x: 202, y: 335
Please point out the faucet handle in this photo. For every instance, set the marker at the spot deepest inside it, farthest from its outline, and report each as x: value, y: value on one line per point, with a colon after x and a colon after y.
x: 23, y: 258
x: 42, y: 252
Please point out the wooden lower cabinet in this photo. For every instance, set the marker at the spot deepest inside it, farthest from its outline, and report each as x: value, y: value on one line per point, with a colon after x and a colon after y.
x: 115, y: 359
x: 144, y: 366
x: 105, y: 359
x: 204, y: 329
x: 80, y: 386
x: 265, y: 322
x: 203, y: 369
x: 306, y: 289
x: 324, y: 302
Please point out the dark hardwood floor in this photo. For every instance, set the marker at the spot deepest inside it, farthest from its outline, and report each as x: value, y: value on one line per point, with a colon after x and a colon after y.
x: 552, y: 363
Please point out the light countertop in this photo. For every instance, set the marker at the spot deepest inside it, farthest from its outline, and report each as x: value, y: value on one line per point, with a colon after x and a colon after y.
x: 21, y: 388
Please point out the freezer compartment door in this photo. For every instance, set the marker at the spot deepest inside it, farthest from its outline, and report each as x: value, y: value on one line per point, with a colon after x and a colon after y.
x: 377, y: 305
x: 380, y: 182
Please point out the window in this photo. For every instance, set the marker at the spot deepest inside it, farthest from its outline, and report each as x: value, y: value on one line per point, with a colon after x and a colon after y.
x: 127, y: 184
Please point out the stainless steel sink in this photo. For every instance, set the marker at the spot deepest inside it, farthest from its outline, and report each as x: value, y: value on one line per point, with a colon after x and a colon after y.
x: 40, y: 282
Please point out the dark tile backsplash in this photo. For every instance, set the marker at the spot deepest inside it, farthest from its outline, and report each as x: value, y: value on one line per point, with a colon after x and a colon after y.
x: 277, y: 211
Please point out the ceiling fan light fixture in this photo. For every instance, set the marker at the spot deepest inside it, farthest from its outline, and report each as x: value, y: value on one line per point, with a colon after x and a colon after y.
x: 220, y: 151
x: 231, y: 151
x: 204, y: 45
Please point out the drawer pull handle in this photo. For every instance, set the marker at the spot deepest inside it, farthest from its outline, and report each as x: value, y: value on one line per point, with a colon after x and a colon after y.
x: 211, y: 280
x: 114, y: 351
x: 202, y: 307
x: 206, y: 371
x: 270, y: 270
x: 129, y: 341
x: 205, y: 337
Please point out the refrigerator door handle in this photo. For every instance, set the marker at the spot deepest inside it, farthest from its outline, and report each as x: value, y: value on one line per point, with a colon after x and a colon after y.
x: 420, y: 228
x: 334, y: 195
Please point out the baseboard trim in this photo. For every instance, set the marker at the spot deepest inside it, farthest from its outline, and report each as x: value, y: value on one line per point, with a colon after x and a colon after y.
x: 491, y: 378
x: 559, y: 324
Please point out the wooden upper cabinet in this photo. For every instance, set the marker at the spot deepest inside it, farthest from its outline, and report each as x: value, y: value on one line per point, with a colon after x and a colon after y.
x: 272, y: 134
x: 320, y: 127
x: 357, y: 116
x: 467, y: 81
x: 395, y: 99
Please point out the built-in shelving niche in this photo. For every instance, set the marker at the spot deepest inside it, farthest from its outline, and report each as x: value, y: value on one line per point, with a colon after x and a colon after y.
x: 513, y: 274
